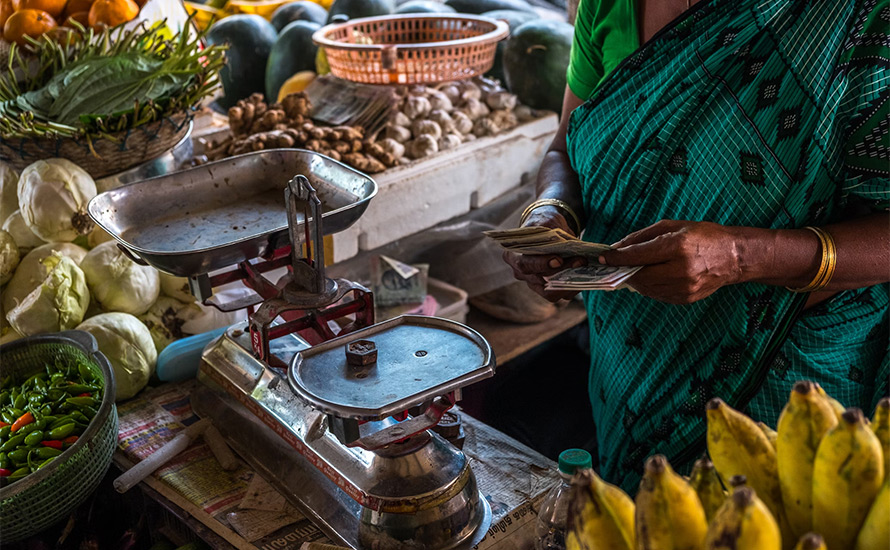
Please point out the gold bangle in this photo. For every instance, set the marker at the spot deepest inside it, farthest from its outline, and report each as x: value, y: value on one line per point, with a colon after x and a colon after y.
x: 552, y: 202
x: 827, y: 264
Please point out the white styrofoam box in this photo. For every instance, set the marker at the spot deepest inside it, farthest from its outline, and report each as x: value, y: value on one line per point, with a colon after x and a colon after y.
x: 419, y: 195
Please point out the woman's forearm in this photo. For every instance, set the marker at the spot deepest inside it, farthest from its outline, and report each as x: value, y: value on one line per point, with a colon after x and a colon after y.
x: 791, y: 257
x: 557, y: 180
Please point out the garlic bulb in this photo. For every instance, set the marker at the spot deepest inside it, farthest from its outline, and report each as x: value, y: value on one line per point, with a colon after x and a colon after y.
x: 417, y: 107
x: 397, y: 133
x: 399, y: 118
x: 443, y: 119
x: 440, y: 101
x: 421, y: 127
x: 393, y: 147
x: 424, y: 146
x: 475, y: 109
x: 449, y: 141
x: 524, y: 113
x: 501, y: 100
x: 469, y: 90
x: 451, y: 91
x: 53, y: 194
x: 462, y: 122
x: 485, y: 127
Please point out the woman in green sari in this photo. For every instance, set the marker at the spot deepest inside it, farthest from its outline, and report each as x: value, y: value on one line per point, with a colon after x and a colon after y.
x: 740, y: 153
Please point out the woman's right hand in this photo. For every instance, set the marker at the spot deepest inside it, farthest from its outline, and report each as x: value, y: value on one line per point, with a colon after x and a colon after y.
x: 532, y: 269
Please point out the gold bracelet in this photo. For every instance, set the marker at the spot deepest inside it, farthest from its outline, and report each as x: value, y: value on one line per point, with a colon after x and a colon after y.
x: 552, y: 202
x: 826, y: 266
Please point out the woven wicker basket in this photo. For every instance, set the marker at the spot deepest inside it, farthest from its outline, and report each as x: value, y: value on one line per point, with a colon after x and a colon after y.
x: 51, y: 493
x: 411, y: 49
x: 129, y: 148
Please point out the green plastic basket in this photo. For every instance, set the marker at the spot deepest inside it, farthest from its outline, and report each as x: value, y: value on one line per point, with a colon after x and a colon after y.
x: 51, y: 493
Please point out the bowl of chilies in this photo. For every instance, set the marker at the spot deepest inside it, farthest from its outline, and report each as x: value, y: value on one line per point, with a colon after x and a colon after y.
x: 58, y: 430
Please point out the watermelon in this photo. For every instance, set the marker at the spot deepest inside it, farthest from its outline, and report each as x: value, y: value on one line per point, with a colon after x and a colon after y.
x: 514, y: 19
x: 424, y: 6
x: 355, y: 9
x: 303, y: 10
x: 293, y: 52
x: 481, y: 6
x: 536, y: 57
x: 250, y: 39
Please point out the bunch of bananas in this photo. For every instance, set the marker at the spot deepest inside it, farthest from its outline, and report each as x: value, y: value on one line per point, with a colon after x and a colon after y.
x: 817, y: 482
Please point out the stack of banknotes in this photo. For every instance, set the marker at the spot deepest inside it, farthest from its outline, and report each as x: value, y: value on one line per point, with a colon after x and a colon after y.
x: 537, y: 240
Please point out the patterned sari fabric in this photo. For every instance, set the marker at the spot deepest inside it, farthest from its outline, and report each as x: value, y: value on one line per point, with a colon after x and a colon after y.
x: 768, y: 113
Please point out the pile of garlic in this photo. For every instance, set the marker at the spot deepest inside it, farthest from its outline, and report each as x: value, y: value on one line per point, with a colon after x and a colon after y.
x: 427, y: 120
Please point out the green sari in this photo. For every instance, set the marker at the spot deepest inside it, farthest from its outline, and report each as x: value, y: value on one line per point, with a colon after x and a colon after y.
x: 760, y: 113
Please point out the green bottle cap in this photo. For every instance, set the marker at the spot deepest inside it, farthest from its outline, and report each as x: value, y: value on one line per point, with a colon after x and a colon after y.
x: 571, y: 460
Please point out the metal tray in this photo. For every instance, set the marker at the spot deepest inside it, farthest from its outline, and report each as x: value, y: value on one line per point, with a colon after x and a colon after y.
x: 213, y: 216
x: 418, y: 358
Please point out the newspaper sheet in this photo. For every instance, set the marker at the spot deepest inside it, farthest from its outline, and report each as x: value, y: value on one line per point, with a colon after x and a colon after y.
x: 512, y: 477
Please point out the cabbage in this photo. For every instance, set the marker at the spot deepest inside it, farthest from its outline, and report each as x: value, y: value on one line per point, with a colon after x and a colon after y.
x: 9, y: 257
x: 25, y: 238
x: 98, y: 236
x: 165, y: 319
x: 57, y: 304
x: 31, y: 271
x: 176, y: 287
x: 53, y: 195
x: 9, y: 200
x: 128, y: 346
x: 119, y: 283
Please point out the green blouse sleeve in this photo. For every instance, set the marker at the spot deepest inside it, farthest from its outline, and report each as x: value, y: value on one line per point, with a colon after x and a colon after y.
x: 605, y: 33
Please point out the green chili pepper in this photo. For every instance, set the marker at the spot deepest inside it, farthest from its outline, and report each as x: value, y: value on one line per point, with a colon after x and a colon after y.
x: 32, y: 427
x: 84, y: 371
x: 34, y: 438
x: 19, y: 474
x: 47, y: 452
x: 56, y: 394
x: 61, y: 432
x: 77, y: 389
x: 61, y: 421
x: 13, y: 442
x: 45, y: 462
x: 7, y: 416
x: 16, y: 412
x: 39, y: 384
x: 4, y: 397
x: 4, y: 432
x: 4, y: 461
x: 81, y: 401
x: 19, y: 455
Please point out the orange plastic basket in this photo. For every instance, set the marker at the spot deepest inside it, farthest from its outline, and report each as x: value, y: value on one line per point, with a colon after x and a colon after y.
x: 411, y: 49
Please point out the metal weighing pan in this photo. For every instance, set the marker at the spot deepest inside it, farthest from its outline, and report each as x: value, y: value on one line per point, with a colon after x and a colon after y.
x: 214, y: 216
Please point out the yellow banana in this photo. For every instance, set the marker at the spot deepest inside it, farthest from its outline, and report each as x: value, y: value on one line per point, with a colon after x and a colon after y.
x: 875, y: 532
x: 669, y: 515
x: 743, y: 523
x: 601, y: 516
x: 810, y: 541
x: 804, y: 421
x: 835, y: 404
x: 738, y: 447
x: 847, y: 475
x: 881, y: 426
x: 707, y: 486
x: 770, y: 433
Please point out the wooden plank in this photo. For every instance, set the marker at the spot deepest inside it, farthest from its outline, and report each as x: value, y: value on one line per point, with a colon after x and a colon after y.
x: 509, y: 340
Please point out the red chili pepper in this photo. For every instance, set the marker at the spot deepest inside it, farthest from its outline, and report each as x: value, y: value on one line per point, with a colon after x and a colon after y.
x: 5, y: 473
x: 52, y: 444
x: 3, y: 424
x: 22, y: 421
x: 70, y: 440
x: 84, y: 394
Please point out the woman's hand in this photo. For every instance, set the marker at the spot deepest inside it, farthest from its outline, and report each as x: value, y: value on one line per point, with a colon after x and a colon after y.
x: 684, y: 261
x: 533, y: 269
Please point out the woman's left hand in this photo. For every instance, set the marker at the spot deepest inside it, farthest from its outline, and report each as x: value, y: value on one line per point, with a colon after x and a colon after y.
x: 684, y: 261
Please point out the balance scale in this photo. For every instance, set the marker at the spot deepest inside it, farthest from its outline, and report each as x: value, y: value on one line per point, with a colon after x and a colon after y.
x: 341, y: 424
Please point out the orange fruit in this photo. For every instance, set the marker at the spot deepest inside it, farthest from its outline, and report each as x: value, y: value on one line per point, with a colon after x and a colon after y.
x: 112, y: 12
x: 7, y: 8
x: 52, y: 7
x: 82, y: 17
x: 77, y: 6
x: 27, y: 22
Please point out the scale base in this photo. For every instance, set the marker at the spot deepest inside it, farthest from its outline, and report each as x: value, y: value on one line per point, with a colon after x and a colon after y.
x: 307, y: 483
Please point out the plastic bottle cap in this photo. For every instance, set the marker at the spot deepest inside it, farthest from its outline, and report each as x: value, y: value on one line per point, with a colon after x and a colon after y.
x: 571, y: 460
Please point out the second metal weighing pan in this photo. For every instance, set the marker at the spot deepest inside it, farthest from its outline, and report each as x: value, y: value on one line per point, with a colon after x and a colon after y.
x: 216, y: 215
